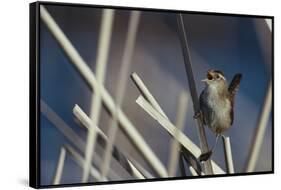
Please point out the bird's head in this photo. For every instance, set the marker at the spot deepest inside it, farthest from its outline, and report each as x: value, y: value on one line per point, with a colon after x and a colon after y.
x: 215, y: 78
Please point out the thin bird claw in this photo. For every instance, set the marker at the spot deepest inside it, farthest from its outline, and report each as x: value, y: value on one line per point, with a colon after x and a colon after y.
x: 197, y: 115
x: 205, y: 156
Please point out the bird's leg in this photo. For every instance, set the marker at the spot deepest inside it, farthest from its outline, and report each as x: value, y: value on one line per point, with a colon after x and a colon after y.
x: 207, y: 155
x: 223, y: 136
x: 214, y: 146
x: 197, y: 114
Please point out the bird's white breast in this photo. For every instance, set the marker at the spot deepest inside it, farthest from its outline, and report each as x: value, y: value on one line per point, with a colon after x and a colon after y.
x: 221, y: 108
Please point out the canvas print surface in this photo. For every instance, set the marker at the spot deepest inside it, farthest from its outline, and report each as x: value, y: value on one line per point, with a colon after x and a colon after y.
x: 131, y: 95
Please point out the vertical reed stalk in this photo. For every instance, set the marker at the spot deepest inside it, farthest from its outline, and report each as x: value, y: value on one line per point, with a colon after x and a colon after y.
x: 228, y: 154
x: 121, y: 87
x: 59, y: 169
x: 102, y: 56
x: 260, y: 131
x: 180, y: 121
x: 193, y: 91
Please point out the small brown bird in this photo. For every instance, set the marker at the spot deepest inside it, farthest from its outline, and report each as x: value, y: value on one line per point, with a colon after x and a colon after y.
x: 216, y: 104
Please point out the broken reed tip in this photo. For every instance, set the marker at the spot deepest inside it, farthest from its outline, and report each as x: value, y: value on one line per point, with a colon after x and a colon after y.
x: 133, y: 75
x: 75, y: 108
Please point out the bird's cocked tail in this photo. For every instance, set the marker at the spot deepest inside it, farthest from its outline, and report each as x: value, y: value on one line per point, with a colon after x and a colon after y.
x: 234, y: 85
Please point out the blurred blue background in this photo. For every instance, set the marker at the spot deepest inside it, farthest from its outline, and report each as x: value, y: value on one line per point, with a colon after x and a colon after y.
x: 231, y: 44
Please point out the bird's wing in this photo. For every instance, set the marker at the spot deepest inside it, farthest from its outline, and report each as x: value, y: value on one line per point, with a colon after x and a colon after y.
x: 201, y: 102
x: 206, y: 110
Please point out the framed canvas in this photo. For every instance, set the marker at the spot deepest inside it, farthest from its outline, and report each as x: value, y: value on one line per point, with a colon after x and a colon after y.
x: 120, y: 94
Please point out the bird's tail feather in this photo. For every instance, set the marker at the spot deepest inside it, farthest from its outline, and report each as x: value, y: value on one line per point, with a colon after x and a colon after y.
x: 234, y: 85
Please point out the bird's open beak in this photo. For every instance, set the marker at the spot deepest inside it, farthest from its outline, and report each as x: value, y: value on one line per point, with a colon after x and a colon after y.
x: 204, y: 80
x: 209, y: 76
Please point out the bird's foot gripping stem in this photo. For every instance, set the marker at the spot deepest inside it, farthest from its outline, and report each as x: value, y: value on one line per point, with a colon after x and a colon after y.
x: 197, y: 114
x: 205, y: 156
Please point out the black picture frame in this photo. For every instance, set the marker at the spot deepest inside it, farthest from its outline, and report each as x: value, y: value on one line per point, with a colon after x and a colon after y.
x: 35, y: 95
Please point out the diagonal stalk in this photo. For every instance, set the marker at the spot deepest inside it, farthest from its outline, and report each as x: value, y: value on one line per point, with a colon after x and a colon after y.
x: 193, y: 91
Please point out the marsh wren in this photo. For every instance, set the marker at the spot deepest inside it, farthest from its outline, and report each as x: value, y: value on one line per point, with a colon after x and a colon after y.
x: 216, y: 104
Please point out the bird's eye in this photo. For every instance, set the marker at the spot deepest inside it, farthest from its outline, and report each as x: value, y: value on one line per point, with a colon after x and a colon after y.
x: 210, y: 77
x: 217, y: 77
